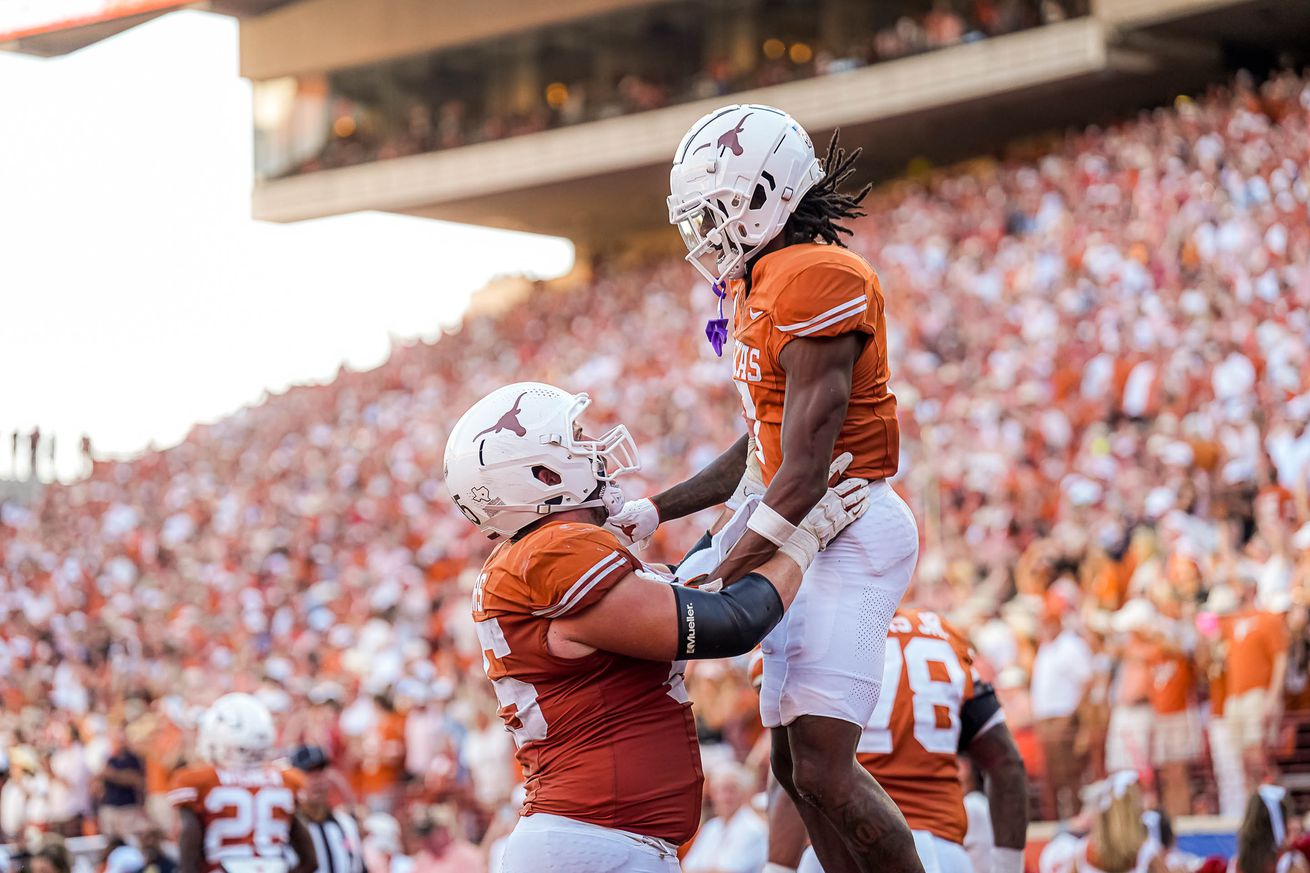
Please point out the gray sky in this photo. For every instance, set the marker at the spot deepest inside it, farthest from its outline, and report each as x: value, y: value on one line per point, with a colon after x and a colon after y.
x: 137, y: 297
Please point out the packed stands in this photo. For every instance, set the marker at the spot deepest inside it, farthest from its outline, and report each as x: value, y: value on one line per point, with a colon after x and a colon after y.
x: 1100, y: 352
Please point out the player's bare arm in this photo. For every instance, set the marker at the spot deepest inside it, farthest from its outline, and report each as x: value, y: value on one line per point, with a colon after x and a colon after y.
x: 190, y: 843
x: 818, y: 392
x: 995, y: 754
x: 708, y: 488
x: 714, y: 485
x: 303, y: 843
x: 647, y: 618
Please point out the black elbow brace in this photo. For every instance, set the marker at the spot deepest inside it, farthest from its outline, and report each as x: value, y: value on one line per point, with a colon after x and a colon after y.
x: 976, y: 712
x: 727, y: 623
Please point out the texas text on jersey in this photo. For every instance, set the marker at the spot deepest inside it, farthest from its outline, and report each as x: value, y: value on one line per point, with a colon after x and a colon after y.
x: 245, y: 813
x: 932, y: 706
x: 604, y: 739
x: 815, y: 290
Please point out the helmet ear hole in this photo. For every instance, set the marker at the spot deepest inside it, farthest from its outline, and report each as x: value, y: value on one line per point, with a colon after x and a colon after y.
x: 546, y: 475
x: 759, y: 197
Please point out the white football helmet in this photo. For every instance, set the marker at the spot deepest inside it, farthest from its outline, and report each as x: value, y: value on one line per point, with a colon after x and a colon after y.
x: 236, y: 732
x: 497, y: 451
x: 737, y: 176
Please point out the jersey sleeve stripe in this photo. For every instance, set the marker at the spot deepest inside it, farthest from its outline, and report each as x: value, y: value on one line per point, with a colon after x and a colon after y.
x: 182, y: 795
x: 860, y: 301
x: 585, y: 583
x: 831, y: 321
x: 564, y: 606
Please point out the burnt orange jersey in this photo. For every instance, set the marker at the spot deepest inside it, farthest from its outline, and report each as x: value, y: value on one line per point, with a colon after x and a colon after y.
x: 913, y: 737
x: 605, y: 739
x: 244, y: 813
x: 815, y: 291
x: 1172, y: 681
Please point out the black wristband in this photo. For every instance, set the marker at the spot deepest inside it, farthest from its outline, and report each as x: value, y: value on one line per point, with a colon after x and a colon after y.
x: 726, y: 623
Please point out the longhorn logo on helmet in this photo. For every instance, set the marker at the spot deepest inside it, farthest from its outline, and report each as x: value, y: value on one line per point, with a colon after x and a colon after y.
x: 509, y: 421
x: 729, y: 140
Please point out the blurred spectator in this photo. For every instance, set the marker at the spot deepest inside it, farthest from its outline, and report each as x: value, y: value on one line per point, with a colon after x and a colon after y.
x: 1062, y: 670
x: 25, y: 797
x: 485, y: 750
x: 70, y: 799
x: 1212, y: 658
x: 1175, y: 732
x: 442, y: 849
x: 123, y: 790
x: 502, y: 823
x: 382, y: 751
x: 1128, y: 745
x: 164, y: 742
x: 735, y: 840
x: 52, y: 858
x: 1265, y: 838
x: 383, y: 848
x: 1257, y: 665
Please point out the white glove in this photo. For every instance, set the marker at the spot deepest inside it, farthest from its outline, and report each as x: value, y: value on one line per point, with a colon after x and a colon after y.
x: 842, y: 504
x: 635, y: 522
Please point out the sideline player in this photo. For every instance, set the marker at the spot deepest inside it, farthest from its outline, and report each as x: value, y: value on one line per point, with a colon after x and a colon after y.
x: 585, y: 645
x: 238, y: 809
x: 934, y: 707
x: 762, y: 220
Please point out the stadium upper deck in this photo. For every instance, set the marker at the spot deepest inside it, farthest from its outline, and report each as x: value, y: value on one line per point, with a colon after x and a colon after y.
x: 561, y: 117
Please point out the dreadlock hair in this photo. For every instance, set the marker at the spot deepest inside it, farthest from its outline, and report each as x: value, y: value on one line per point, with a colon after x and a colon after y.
x: 818, y: 214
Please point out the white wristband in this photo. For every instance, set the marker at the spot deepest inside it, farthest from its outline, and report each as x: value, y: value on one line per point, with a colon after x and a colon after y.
x: 1007, y: 860
x: 770, y: 525
x: 777, y: 868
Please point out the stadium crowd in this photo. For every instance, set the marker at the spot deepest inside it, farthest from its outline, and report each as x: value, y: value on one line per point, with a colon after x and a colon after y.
x: 1100, y: 352
x: 433, y: 119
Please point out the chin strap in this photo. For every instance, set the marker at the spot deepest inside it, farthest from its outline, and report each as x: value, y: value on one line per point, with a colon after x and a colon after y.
x: 609, y: 497
x: 716, y: 329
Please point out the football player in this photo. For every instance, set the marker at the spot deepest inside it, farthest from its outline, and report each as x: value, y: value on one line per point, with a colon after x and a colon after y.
x: 237, y: 810
x: 762, y: 220
x: 933, y: 707
x: 585, y: 645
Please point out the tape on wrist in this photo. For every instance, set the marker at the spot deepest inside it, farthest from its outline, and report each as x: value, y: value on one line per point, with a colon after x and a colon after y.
x: 1007, y: 860
x: 777, y: 868
x: 801, y: 548
x: 770, y: 525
